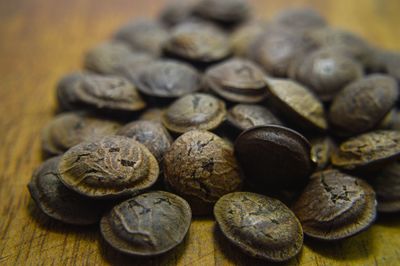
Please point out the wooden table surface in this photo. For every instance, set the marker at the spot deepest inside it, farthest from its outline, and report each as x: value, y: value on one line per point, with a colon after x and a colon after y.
x: 42, y: 40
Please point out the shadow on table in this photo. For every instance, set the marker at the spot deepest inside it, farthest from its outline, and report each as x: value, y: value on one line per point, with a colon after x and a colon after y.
x: 388, y: 219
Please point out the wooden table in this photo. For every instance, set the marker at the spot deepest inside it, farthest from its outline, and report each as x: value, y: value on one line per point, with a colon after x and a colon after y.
x: 42, y: 40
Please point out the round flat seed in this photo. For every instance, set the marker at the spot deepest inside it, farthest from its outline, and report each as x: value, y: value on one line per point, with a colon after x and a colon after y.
x: 273, y: 157
x: 334, y: 206
x: 237, y: 80
x: 201, y: 167
x: 244, y: 36
x: 111, y: 167
x: 299, y: 19
x: 224, y: 11
x: 151, y: 134
x: 59, y: 202
x: 148, y: 224
x: 245, y: 116
x: 176, y: 12
x: 362, y: 104
x: 321, y: 151
x: 260, y: 226
x: 167, y: 79
x: 152, y: 114
x: 69, y: 129
x: 194, y: 111
x: 298, y: 104
x: 66, y: 91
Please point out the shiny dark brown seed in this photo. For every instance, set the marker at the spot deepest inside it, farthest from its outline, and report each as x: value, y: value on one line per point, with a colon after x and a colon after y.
x: 67, y: 91
x: 243, y: 37
x: 322, y: 149
x: 326, y: 72
x: 237, y: 80
x: 224, y: 11
x: 112, y: 167
x: 143, y: 35
x: 201, y: 167
x: 198, y: 42
x: 167, y: 79
x: 244, y: 116
x: 367, y: 151
x: 334, y: 206
x: 148, y: 224
x: 151, y: 134
x: 194, y: 111
x: 273, y: 157
x: 297, y: 104
x: 362, y: 104
x: 260, y: 226
x: 299, y: 19
x: 69, y: 129
x: 59, y: 202
x: 387, y: 187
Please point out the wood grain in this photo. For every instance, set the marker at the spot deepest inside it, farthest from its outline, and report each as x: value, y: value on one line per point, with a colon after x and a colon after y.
x: 43, y: 39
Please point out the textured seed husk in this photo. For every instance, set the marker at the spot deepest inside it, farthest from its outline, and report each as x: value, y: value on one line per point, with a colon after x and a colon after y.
x: 260, y: 226
x: 300, y: 19
x: 243, y: 37
x: 362, y: 105
x: 148, y: 224
x: 194, y: 111
x: 224, y: 11
x: 335, y: 206
x: 113, y: 167
x: 152, y: 114
x: 69, y: 129
x: 298, y: 104
x: 201, y: 167
x: 59, y: 202
x: 245, y: 116
x: 237, y: 80
x: 151, y: 134
x: 322, y: 149
x: 274, y: 157
x: 67, y: 91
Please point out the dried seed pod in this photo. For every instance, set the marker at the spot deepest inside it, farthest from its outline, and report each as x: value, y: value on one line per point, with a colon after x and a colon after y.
x: 59, y: 202
x: 177, y: 12
x: 245, y: 116
x: 391, y: 120
x: 194, y: 111
x: 260, y: 226
x: 322, y: 149
x: 151, y: 134
x: 334, y: 206
x: 393, y: 65
x: 143, y: 35
x: 243, y: 37
x: 300, y: 19
x: 112, y: 167
x: 237, y: 80
x: 387, y: 187
x: 152, y: 114
x: 148, y: 224
x: 198, y: 42
x: 223, y: 11
x: 297, y: 104
x: 167, y: 79
x: 326, y: 72
x: 130, y: 65
x: 367, y: 151
x: 264, y: 153
x: 66, y: 91
x: 69, y: 129
x: 201, y: 167
x: 362, y: 104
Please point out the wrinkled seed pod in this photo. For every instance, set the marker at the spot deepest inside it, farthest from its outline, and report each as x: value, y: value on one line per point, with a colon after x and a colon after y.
x: 112, y: 167
x: 224, y: 11
x: 148, y: 224
x: 260, y: 226
x: 334, y: 206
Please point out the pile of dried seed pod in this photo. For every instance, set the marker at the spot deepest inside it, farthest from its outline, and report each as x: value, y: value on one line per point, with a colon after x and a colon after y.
x: 277, y: 128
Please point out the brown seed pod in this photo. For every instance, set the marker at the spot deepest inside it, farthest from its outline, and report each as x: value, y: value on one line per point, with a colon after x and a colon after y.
x: 151, y: 134
x: 265, y: 152
x: 223, y: 11
x: 198, y: 42
x: 143, y: 35
x: 260, y: 226
x: 393, y: 65
x: 334, y: 206
x: 362, y: 104
x: 322, y: 149
x: 194, y: 111
x: 368, y: 151
x: 201, y: 167
x: 299, y: 19
x: 387, y: 187
x: 69, y: 129
x: 237, y: 80
x: 67, y: 91
x: 297, y: 104
x: 148, y: 224
x: 243, y: 37
x: 59, y: 202
x: 152, y: 114
x: 326, y: 72
x: 112, y: 167
x: 391, y: 120
x: 245, y: 116
x: 176, y: 12
x: 167, y: 79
